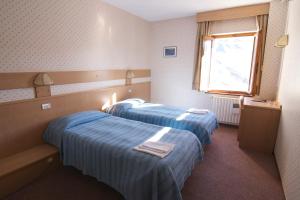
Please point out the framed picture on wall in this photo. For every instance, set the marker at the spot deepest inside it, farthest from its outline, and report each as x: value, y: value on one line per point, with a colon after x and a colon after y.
x: 170, y: 51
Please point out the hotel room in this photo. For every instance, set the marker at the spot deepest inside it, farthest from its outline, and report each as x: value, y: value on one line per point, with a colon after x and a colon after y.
x: 150, y: 100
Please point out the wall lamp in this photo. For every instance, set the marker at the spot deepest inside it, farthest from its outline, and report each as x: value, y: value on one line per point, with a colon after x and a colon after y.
x: 42, y: 84
x: 129, y: 76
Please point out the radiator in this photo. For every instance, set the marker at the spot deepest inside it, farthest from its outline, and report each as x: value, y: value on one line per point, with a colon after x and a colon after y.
x: 227, y: 109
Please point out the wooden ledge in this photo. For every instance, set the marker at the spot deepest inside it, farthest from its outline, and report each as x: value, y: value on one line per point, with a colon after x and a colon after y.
x: 19, y: 80
x: 23, y: 159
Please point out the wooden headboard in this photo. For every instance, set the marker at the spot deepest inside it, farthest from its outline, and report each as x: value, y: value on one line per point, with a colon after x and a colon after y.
x: 23, y: 122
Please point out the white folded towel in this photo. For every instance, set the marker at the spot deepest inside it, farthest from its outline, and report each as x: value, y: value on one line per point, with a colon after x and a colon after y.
x: 160, y: 149
x: 197, y: 111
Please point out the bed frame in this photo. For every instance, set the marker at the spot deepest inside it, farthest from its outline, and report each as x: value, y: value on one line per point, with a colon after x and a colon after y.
x: 23, y: 154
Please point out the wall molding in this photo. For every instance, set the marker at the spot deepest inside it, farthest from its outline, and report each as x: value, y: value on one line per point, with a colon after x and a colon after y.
x: 25, y: 79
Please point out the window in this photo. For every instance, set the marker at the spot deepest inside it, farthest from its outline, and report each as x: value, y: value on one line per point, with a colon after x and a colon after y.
x: 228, y: 63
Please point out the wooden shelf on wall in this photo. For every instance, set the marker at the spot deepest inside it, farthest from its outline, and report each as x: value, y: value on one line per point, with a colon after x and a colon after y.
x: 20, y: 160
x: 25, y: 79
x: 22, y: 168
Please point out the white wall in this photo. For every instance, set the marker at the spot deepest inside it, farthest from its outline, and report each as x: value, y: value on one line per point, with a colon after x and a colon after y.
x: 172, y: 77
x: 287, y: 149
x: 68, y: 35
x: 272, y: 61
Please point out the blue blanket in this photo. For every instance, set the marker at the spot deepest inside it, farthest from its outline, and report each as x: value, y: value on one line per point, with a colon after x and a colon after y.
x: 202, y: 125
x: 101, y: 145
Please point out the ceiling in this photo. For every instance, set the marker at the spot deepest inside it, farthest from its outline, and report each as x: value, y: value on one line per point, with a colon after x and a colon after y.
x: 156, y: 10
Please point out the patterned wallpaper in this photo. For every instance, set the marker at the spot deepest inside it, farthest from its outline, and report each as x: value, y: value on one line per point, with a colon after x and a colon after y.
x: 64, y: 35
x: 287, y: 149
x: 16, y: 94
x: 273, y: 55
x: 69, y: 35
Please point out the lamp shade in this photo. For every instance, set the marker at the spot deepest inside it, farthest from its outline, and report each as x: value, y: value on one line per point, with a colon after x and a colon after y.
x: 282, y: 41
x: 43, y: 79
x: 129, y: 74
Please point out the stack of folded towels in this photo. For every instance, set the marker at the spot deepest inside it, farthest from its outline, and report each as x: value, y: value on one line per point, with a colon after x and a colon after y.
x: 160, y: 149
x: 197, y: 111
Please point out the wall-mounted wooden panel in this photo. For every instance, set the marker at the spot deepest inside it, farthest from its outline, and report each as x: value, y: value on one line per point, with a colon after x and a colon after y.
x: 42, y: 91
x: 234, y: 13
x: 16, y: 80
x: 25, y: 80
x: 23, y: 122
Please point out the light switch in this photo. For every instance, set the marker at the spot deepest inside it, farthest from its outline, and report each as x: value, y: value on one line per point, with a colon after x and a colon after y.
x: 46, y: 106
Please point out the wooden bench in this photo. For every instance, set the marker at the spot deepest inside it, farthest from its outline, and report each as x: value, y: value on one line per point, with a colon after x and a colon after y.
x: 20, y: 169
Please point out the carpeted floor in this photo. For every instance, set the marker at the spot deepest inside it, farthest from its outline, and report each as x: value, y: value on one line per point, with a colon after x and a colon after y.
x: 226, y: 173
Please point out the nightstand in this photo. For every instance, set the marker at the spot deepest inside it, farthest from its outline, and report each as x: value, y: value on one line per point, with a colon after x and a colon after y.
x: 258, y: 125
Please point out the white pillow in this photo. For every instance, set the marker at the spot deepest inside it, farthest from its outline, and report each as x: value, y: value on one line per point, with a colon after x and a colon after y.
x: 141, y: 101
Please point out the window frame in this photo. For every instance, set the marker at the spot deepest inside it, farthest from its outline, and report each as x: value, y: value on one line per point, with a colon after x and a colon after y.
x: 253, y: 74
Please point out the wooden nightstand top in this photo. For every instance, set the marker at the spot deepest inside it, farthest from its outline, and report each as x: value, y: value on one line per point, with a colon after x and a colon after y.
x: 250, y: 102
x: 20, y: 160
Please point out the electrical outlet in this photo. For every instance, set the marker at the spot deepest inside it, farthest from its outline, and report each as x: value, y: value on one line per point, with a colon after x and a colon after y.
x: 46, y: 106
x: 236, y: 105
x: 130, y: 90
x: 236, y: 108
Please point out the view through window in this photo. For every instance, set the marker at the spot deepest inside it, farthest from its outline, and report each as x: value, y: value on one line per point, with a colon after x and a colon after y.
x: 229, y: 63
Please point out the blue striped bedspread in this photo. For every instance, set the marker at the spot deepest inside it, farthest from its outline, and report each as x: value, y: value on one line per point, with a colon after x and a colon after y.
x: 202, y: 125
x: 101, y: 145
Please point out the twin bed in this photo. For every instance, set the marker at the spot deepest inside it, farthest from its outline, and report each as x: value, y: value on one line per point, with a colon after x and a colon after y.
x: 202, y: 123
x: 103, y: 146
